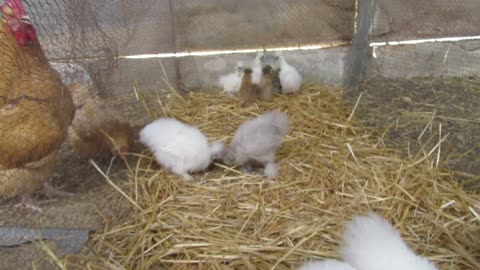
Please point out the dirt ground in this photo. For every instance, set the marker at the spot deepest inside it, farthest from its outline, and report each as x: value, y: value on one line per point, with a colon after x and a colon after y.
x: 415, y: 114
x: 95, y: 202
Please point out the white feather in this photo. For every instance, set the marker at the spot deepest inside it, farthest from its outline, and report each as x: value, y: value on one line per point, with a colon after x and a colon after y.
x: 181, y: 148
x: 271, y: 170
x: 290, y: 78
x: 257, y: 68
x: 230, y: 83
x: 216, y: 149
x: 326, y: 265
x: 371, y: 243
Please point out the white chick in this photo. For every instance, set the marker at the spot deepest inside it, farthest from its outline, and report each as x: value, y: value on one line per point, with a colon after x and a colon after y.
x: 181, y: 148
x: 257, y: 140
x: 371, y: 243
x: 231, y: 82
x: 257, y: 68
x: 72, y: 73
x: 326, y: 265
x: 290, y: 79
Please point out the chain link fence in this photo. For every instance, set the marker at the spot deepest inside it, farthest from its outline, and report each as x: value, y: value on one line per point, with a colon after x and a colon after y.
x: 419, y: 91
x: 421, y: 19
x: 93, y: 34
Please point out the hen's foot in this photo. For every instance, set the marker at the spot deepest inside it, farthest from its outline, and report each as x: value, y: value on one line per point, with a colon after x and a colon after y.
x: 50, y: 191
x: 28, y: 202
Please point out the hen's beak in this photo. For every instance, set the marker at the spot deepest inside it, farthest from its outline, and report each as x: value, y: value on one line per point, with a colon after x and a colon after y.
x: 26, y: 19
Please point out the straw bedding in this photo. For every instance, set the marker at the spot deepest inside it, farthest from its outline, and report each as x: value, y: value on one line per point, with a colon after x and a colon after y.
x: 331, y: 170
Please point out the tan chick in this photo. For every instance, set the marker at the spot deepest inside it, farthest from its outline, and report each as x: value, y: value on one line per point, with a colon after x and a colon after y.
x: 98, y: 130
x: 249, y: 92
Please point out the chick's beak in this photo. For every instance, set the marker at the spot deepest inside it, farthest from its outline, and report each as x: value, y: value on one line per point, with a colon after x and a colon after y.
x: 120, y: 152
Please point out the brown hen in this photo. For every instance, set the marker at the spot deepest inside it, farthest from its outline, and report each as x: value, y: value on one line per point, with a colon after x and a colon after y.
x: 35, y: 109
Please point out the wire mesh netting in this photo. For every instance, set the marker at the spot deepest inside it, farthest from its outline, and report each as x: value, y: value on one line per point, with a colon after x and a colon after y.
x: 86, y: 41
x: 80, y: 39
x: 215, y: 25
x: 86, y: 37
x: 438, y: 79
x: 418, y: 19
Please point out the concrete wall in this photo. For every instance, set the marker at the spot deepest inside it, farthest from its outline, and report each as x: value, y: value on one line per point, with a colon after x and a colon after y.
x: 316, y: 66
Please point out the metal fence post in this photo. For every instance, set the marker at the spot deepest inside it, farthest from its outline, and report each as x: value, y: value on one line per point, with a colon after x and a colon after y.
x: 357, y: 59
x: 178, y: 74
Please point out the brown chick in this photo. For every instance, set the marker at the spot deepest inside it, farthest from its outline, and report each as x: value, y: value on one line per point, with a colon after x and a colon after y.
x: 97, y: 131
x: 249, y: 93
x: 277, y: 86
x: 35, y: 110
x: 266, y: 84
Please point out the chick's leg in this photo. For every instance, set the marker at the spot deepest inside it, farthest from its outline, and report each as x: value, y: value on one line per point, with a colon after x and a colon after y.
x: 271, y: 168
x: 28, y: 202
x: 186, y: 177
x: 251, y: 166
x: 248, y: 167
x: 182, y: 172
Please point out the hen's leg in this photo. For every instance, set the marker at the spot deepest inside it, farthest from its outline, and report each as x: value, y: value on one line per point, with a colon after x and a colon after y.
x: 50, y: 191
x: 28, y: 202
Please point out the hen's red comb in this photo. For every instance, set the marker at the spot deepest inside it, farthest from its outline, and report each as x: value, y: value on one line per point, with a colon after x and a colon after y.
x: 17, y: 7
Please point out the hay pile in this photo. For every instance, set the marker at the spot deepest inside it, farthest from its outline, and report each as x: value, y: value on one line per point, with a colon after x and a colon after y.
x: 413, y: 113
x: 331, y: 170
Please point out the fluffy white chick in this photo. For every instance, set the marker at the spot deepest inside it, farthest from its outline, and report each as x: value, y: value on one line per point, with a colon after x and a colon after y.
x: 326, y: 265
x: 181, y: 148
x: 290, y: 78
x: 230, y: 83
x: 257, y: 140
x: 257, y: 68
x: 371, y: 243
